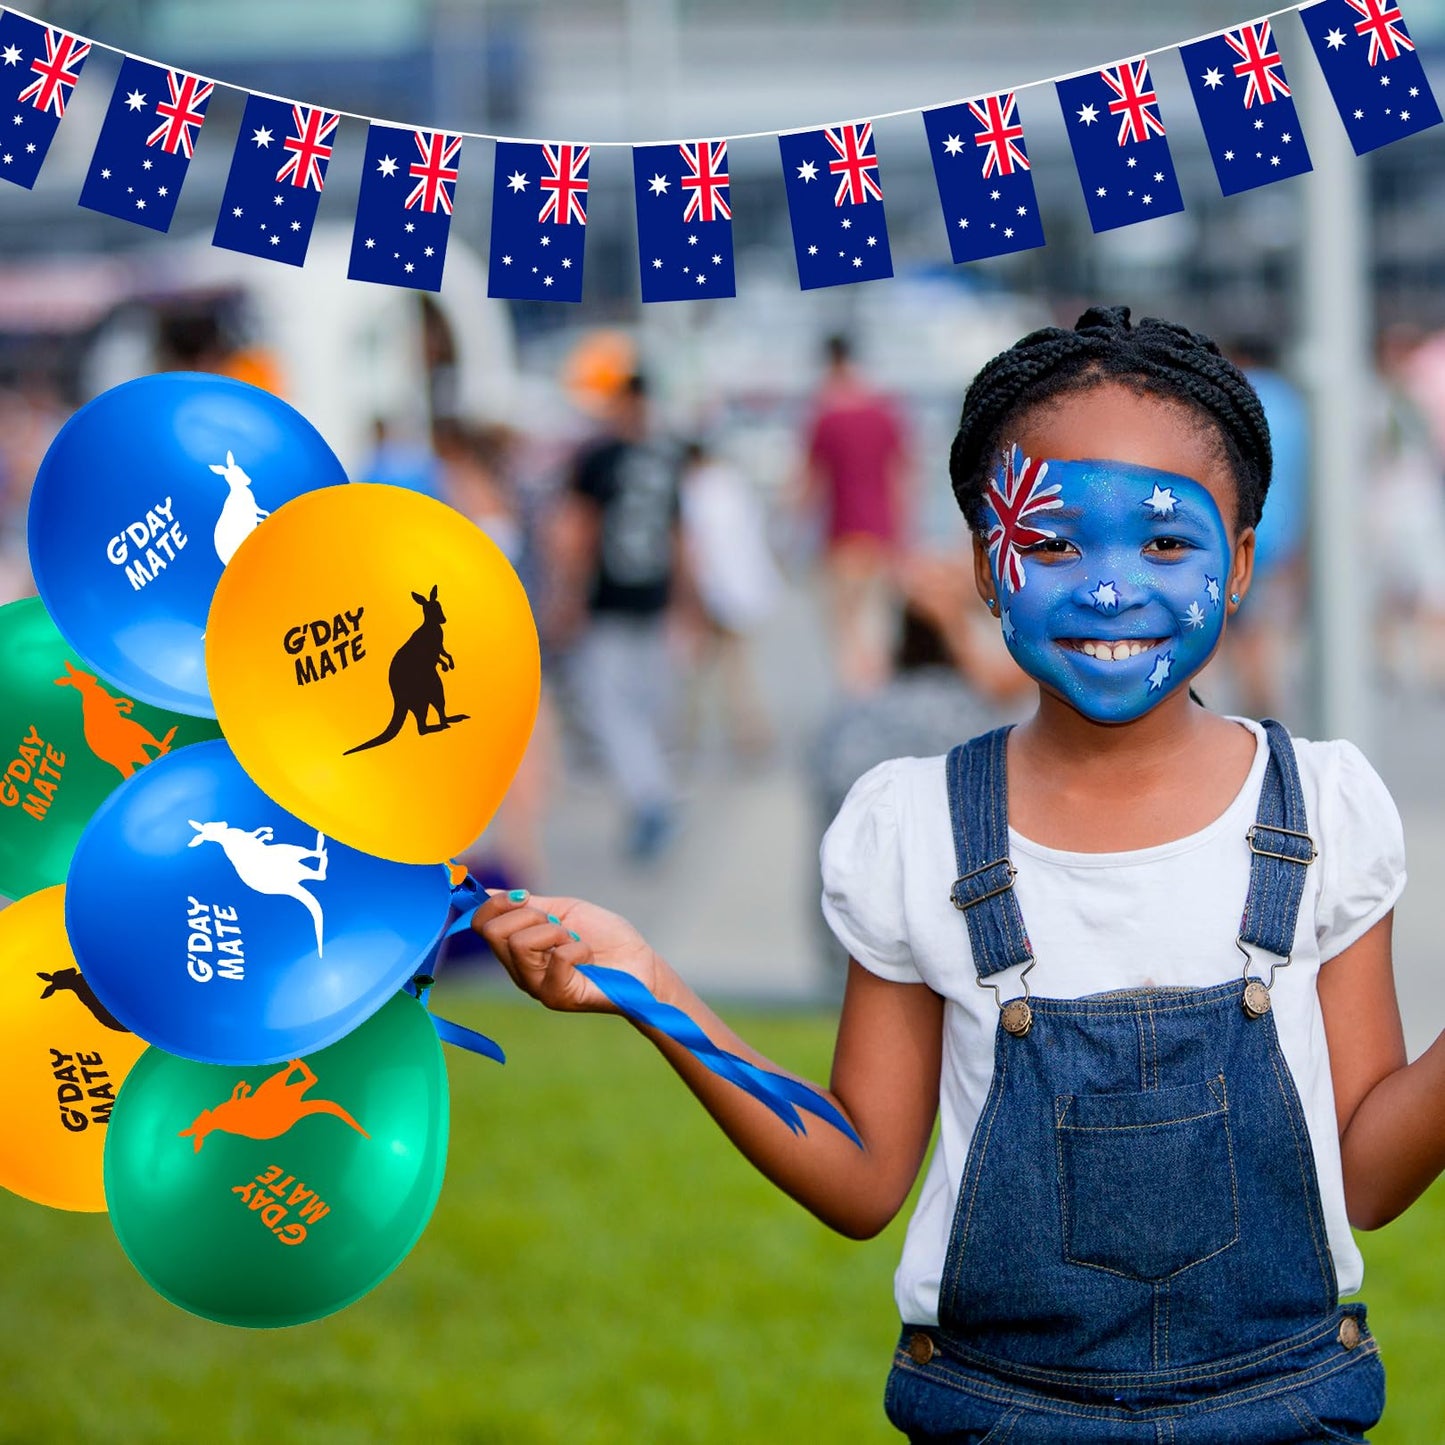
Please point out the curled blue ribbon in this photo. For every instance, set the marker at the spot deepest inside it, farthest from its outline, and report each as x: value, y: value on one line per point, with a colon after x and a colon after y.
x: 447, y: 1031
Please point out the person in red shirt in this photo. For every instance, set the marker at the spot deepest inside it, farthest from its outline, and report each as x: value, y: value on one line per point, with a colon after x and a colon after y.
x: 856, y: 465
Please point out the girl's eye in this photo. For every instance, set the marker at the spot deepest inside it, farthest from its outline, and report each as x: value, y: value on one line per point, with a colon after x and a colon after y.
x: 1051, y: 550
x: 1170, y: 549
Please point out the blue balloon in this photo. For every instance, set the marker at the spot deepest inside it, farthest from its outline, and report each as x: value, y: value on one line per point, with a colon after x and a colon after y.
x: 222, y: 928
x: 141, y: 501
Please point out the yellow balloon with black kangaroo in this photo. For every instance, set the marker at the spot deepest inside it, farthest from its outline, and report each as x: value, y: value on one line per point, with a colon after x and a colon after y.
x: 374, y: 666
x: 62, y: 1060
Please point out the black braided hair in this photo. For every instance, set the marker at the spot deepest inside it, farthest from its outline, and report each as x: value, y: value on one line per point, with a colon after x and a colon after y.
x: 1155, y: 357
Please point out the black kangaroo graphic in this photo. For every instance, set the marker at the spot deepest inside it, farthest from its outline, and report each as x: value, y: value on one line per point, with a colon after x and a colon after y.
x: 70, y: 978
x: 416, y: 684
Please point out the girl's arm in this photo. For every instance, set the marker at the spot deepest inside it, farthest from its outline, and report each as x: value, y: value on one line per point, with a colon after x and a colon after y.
x: 1391, y: 1114
x: 886, y: 1062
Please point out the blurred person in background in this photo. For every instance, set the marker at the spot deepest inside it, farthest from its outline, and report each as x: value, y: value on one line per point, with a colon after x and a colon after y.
x: 30, y: 416
x: 737, y: 584
x: 1407, y: 523
x: 952, y: 679
x: 401, y: 461
x: 476, y: 476
x: 1264, y: 641
x: 614, y: 567
x: 854, y: 481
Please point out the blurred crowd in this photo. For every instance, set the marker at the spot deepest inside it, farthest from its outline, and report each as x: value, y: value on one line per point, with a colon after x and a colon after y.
x: 656, y: 560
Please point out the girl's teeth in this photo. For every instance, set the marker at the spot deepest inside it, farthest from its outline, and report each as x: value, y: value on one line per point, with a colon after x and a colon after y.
x: 1113, y: 652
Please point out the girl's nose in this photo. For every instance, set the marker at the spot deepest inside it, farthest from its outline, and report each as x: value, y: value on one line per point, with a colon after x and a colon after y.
x: 1106, y: 594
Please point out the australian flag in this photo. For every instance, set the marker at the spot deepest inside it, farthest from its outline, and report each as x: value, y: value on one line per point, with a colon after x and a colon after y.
x: 1372, y: 69
x: 835, y: 202
x: 146, y: 143
x: 404, y: 207
x: 984, y: 178
x: 684, y: 220
x: 1245, y: 107
x: 1120, y: 152
x: 277, y: 172
x: 539, y: 221
x: 39, y: 70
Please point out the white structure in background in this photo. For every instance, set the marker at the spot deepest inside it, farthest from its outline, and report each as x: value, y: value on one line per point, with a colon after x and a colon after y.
x: 348, y: 351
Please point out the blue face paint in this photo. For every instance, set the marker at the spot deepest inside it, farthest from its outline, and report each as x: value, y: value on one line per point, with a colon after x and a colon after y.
x: 1109, y: 579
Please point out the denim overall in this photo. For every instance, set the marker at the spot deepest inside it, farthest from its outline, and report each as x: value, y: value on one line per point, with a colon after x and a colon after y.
x: 1138, y: 1252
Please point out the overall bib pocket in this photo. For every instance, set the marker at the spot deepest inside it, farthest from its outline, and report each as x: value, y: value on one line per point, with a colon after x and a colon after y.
x: 1146, y: 1180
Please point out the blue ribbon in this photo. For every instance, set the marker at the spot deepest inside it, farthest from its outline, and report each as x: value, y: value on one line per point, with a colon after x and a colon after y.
x: 447, y: 1031
x: 783, y: 1095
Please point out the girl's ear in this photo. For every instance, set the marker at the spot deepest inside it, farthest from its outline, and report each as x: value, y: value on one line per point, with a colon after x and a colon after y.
x: 982, y: 572
x: 1241, y: 569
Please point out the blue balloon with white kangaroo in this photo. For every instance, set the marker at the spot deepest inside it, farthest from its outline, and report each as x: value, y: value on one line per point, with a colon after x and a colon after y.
x: 218, y: 926
x: 141, y: 501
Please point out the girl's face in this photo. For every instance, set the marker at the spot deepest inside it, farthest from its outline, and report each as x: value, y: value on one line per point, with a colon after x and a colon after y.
x: 1109, y: 550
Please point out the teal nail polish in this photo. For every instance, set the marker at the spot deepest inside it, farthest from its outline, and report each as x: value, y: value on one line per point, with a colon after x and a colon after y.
x: 518, y: 895
x: 576, y: 937
x: 552, y: 918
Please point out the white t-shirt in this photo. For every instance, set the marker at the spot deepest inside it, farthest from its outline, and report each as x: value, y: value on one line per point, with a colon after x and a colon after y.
x: 1096, y: 922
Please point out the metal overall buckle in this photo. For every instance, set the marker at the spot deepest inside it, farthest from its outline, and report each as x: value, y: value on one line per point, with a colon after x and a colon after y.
x: 1256, y: 1001
x: 1016, y: 1016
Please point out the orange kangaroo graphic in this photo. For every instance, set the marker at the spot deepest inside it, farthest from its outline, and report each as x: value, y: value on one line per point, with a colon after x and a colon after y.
x: 268, y: 1112
x: 110, y: 733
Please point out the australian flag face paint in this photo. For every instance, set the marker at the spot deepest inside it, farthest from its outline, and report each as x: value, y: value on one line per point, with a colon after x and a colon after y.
x: 1110, y: 579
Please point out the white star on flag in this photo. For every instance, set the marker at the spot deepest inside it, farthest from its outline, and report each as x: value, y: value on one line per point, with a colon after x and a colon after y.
x: 387, y: 165
x: 1212, y: 78
x: 516, y: 182
x: 953, y: 145
x: 658, y: 185
x: 807, y: 171
x: 12, y: 55
x: 135, y: 100
x: 1088, y: 114
x: 261, y: 137
x: 1335, y: 39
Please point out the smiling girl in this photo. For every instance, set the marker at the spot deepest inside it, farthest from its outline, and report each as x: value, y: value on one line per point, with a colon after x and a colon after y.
x: 1135, y: 957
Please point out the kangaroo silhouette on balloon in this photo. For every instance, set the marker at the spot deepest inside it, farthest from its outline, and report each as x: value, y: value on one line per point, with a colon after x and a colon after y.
x: 268, y: 1111
x: 70, y: 978
x: 415, y: 678
x: 110, y: 732
x: 267, y: 867
x: 240, y: 516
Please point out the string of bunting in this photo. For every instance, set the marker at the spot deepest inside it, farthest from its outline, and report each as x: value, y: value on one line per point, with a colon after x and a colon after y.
x: 1113, y: 115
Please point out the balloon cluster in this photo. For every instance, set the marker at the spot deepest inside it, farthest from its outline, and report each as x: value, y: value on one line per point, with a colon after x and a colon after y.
x: 252, y: 713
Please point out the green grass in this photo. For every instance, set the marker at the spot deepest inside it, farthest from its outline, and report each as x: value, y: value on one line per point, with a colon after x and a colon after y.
x: 601, y: 1267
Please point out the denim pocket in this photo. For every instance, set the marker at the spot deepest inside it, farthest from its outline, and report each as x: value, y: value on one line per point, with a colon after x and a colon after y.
x: 1146, y: 1180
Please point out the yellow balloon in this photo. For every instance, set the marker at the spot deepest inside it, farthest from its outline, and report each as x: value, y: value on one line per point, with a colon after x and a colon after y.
x: 62, y: 1061
x: 374, y: 666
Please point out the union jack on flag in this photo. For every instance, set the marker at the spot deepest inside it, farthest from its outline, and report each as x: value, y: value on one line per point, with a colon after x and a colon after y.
x: 539, y: 221
x: 1245, y: 106
x: 39, y: 67
x: 1374, y: 75
x: 436, y: 172
x: 565, y: 184
x: 400, y: 237
x: 146, y: 142
x: 839, y: 235
x: 277, y: 173
x: 684, y: 220
x: 1127, y: 175
x: 985, y: 181
x: 1017, y: 493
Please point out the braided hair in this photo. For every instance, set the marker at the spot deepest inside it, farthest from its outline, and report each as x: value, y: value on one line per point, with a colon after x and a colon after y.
x: 1156, y: 358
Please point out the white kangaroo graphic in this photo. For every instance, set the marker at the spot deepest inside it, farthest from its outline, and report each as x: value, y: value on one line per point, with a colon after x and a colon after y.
x: 240, y: 516
x: 267, y: 867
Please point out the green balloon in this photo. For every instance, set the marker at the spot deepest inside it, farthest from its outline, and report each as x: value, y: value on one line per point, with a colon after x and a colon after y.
x: 67, y: 740
x: 253, y: 1197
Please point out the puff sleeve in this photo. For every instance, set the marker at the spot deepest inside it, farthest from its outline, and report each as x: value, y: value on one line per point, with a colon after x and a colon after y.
x: 862, y: 864
x: 1362, y: 848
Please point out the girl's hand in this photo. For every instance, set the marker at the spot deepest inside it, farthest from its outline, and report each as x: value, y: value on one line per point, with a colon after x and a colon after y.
x: 541, y: 941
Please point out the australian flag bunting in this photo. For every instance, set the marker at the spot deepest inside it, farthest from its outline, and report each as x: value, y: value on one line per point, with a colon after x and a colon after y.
x: 39, y: 70
x: 1120, y: 152
x: 835, y: 202
x: 1372, y: 69
x: 404, y: 207
x: 984, y: 178
x: 277, y: 172
x: 146, y: 143
x: 684, y: 220
x: 1245, y: 107
x: 539, y: 221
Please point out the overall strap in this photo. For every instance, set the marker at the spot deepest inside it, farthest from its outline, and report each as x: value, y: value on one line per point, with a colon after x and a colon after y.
x: 983, y: 893
x: 1280, y: 850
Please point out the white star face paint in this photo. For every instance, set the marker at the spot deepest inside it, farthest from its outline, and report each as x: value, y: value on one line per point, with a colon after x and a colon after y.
x: 1108, y: 579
